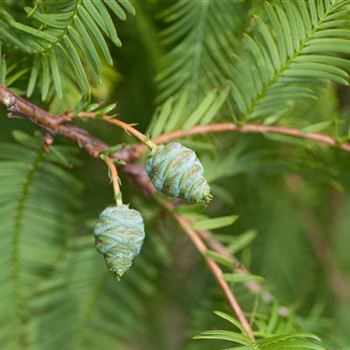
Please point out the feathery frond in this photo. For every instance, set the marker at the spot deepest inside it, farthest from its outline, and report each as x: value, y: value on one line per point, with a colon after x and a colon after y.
x: 65, y: 37
x: 38, y: 200
x: 286, y: 341
x: 176, y: 113
x: 102, y: 313
x: 202, y: 35
x: 302, y: 46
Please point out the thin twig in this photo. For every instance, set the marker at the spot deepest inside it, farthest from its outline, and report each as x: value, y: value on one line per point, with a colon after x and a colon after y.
x: 115, y: 180
x: 127, y: 127
x: 252, y: 129
x: 139, y: 176
x: 253, y: 287
x: 213, y: 266
x: 217, y: 273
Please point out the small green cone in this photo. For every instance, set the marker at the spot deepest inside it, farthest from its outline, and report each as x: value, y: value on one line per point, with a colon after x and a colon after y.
x: 176, y: 171
x: 119, y: 234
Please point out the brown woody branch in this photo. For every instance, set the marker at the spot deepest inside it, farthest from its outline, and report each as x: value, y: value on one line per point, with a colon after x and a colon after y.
x: 54, y: 125
x: 17, y: 106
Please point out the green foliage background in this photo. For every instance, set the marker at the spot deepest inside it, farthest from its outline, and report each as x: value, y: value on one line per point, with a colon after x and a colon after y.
x: 181, y: 64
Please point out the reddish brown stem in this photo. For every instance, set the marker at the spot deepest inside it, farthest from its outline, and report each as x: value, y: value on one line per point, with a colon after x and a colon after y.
x: 115, y: 180
x: 214, y: 268
x: 48, y: 122
x: 217, y: 273
x: 127, y: 127
x: 253, y: 287
x: 252, y: 129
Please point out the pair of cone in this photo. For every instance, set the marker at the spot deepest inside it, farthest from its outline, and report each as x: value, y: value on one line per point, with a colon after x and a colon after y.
x: 175, y: 171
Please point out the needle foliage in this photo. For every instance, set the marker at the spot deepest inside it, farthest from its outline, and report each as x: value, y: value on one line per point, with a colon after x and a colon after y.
x: 280, y: 204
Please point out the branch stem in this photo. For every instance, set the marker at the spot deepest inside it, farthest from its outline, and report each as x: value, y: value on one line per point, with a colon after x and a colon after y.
x: 17, y: 105
x: 253, y: 129
x: 214, y: 268
x: 93, y: 146
x: 253, y: 287
x: 113, y: 173
x: 127, y: 127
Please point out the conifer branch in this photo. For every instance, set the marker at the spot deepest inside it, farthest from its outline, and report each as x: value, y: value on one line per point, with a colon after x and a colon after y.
x: 18, y: 106
x: 57, y: 125
x: 54, y: 125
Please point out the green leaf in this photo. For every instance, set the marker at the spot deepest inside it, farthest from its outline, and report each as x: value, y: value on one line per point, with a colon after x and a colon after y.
x: 219, y: 258
x: 116, y: 8
x: 112, y: 33
x: 45, y: 78
x: 162, y: 118
x: 318, y: 127
x: 38, y: 202
x: 33, y: 78
x: 230, y: 319
x: 215, y: 223
x: 78, y: 67
x: 128, y: 6
x: 56, y: 75
x: 242, y: 241
x: 51, y: 27
x: 95, y: 32
x: 224, y: 335
x: 2, y: 68
x: 88, y: 44
x: 243, y: 278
